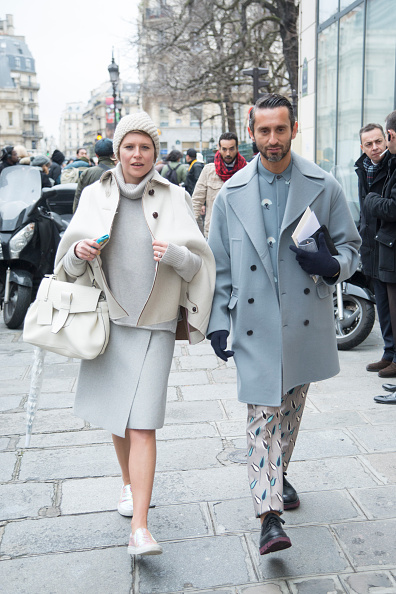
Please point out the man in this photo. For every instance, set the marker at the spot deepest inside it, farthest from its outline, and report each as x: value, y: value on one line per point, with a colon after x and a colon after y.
x: 227, y: 162
x: 104, y: 152
x: 8, y: 157
x: 282, y: 320
x: 382, y: 206
x: 371, y: 169
x: 72, y: 172
x: 193, y: 172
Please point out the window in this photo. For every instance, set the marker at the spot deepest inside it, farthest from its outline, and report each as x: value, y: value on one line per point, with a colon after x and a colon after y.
x: 164, y: 115
x: 28, y: 63
x: 34, y: 144
x: 17, y: 62
x: 379, y: 61
x: 195, y: 116
x: 10, y: 118
x: 350, y: 79
x: 327, y: 8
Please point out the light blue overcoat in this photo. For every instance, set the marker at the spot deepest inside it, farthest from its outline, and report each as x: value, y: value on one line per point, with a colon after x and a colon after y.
x: 278, y: 343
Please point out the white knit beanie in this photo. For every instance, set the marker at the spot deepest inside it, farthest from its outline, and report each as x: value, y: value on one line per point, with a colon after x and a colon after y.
x: 136, y: 122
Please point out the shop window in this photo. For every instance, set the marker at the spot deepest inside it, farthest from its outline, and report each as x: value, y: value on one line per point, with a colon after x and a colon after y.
x: 327, y: 8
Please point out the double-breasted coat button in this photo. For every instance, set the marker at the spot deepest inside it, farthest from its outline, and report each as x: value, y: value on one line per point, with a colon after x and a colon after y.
x: 307, y: 291
x: 306, y: 322
x: 249, y: 332
x: 194, y: 309
x: 251, y: 300
x: 151, y: 192
x: 155, y: 215
x: 253, y: 267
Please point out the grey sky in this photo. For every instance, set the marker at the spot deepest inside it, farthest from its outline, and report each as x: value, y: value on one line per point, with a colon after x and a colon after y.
x: 71, y: 43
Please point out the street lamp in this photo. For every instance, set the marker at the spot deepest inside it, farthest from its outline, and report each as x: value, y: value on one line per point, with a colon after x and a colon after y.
x: 114, y: 74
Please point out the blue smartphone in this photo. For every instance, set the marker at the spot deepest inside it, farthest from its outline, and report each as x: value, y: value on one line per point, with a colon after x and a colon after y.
x: 102, y: 240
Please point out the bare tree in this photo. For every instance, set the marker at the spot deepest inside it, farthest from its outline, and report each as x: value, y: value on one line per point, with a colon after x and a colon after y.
x: 193, y: 51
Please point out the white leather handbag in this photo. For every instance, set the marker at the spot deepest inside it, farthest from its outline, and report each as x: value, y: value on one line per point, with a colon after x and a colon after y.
x: 71, y: 319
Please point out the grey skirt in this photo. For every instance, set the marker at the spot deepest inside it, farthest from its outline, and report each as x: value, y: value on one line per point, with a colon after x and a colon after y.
x: 127, y: 385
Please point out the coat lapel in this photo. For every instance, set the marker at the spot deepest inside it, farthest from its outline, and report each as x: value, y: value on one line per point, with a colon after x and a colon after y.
x: 245, y: 202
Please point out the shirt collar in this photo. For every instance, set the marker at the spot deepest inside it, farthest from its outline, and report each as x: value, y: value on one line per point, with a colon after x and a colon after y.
x: 269, y: 176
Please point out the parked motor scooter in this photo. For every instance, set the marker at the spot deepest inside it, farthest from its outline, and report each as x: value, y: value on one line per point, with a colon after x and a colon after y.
x: 29, y: 236
x: 354, y: 310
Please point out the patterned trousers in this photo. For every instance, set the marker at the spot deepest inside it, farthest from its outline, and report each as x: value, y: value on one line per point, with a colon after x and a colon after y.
x: 271, y: 437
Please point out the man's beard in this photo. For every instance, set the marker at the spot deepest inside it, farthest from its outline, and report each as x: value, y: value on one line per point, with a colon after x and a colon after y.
x: 277, y: 157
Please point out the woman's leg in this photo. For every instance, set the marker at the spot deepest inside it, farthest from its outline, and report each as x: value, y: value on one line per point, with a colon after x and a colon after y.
x: 142, y: 459
x: 122, y: 447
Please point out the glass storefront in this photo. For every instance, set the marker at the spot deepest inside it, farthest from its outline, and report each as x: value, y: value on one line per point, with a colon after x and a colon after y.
x: 355, y: 81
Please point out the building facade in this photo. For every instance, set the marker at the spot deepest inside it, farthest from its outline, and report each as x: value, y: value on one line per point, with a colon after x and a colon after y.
x: 71, y: 129
x: 347, y: 80
x: 98, y: 116
x: 19, y: 114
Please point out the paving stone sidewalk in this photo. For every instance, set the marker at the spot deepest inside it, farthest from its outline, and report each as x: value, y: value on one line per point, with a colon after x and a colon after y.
x: 60, y: 531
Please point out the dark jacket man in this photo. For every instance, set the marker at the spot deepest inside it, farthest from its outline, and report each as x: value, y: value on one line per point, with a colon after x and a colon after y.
x: 103, y: 150
x: 194, y: 170
x: 368, y: 226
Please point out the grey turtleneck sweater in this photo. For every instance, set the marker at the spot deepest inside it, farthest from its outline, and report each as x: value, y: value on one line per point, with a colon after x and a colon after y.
x: 128, y: 259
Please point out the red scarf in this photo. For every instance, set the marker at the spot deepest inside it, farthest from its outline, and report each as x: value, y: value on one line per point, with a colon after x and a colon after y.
x: 222, y: 171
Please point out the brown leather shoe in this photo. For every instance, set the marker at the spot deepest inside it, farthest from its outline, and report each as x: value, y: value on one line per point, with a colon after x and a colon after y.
x: 389, y: 371
x: 379, y: 365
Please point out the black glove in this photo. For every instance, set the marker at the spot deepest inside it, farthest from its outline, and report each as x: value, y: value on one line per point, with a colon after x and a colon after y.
x: 320, y: 263
x: 218, y: 340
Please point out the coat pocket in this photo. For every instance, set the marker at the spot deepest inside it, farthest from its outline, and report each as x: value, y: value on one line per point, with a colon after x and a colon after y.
x: 323, y: 290
x: 386, y: 250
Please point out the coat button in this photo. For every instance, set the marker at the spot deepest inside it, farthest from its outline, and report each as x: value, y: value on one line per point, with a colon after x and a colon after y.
x: 306, y: 322
x: 155, y: 215
x: 253, y: 267
x: 251, y: 300
x: 249, y: 332
x: 307, y: 291
x: 194, y: 309
x: 151, y: 192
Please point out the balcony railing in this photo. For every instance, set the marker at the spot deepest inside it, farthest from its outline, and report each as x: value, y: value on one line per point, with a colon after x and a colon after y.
x: 34, y: 135
x: 27, y: 85
x: 30, y: 118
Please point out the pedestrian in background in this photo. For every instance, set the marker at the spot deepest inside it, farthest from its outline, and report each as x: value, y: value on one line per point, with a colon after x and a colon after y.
x: 194, y: 170
x: 155, y: 260
x: 55, y: 170
x: 23, y: 155
x: 104, y: 153
x: 8, y: 157
x: 227, y: 162
x: 383, y: 207
x: 372, y: 170
x: 42, y: 163
x: 282, y: 321
x: 173, y: 170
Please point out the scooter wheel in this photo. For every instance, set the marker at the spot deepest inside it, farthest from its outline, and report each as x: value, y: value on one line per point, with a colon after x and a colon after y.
x: 17, y: 306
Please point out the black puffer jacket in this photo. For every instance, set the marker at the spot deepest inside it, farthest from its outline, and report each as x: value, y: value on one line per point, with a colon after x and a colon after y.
x: 384, y: 208
x: 368, y: 225
x: 192, y: 176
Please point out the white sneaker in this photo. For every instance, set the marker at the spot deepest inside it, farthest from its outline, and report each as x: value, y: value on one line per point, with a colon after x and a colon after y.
x: 125, y: 504
x: 142, y: 543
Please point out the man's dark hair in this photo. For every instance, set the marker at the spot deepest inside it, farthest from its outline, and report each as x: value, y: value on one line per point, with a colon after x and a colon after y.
x: 174, y: 156
x: 390, y: 121
x: 369, y: 128
x: 80, y: 149
x: 192, y: 153
x: 271, y: 101
x: 228, y: 136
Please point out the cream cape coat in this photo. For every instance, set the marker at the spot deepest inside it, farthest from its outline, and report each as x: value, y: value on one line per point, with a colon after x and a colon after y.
x: 169, y: 216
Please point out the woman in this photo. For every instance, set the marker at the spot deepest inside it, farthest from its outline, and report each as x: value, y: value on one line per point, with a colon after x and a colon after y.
x: 155, y: 261
x: 42, y: 163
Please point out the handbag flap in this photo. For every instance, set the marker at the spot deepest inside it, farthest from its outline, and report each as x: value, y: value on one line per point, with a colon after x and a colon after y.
x: 78, y: 298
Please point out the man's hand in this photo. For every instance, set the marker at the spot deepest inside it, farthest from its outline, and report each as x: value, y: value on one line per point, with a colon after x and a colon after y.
x: 320, y: 263
x: 218, y: 340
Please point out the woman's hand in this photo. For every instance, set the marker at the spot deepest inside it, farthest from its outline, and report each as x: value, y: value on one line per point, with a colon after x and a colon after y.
x: 159, y: 248
x: 87, y: 249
